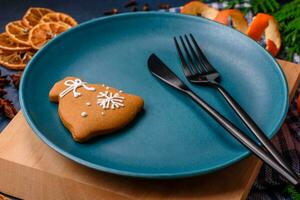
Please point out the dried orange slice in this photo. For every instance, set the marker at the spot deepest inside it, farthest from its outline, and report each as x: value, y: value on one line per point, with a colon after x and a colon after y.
x: 43, y: 32
x: 33, y: 16
x: 16, y: 60
x: 266, y: 24
x: 18, y: 32
x: 238, y: 20
x: 199, y: 9
x: 59, y: 17
x: 7, y: 43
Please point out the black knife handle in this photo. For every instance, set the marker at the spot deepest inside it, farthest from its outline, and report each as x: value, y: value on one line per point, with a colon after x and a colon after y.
x: 243, y: 138
x: 254, y: 129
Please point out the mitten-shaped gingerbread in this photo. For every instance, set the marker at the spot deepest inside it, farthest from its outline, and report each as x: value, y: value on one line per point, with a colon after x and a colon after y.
x: 89, y: 110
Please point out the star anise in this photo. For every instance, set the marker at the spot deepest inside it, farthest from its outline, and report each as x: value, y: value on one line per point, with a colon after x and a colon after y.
x: 4, y: 81
x: 16, y: 79
x: 8, y: 108
x: 2, y: 92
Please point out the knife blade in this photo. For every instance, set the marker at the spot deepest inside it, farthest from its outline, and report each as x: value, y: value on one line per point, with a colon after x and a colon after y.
x: 161, y: 71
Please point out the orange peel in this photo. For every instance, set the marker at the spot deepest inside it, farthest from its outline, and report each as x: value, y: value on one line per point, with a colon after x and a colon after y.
x: 198, y: 8
x: 266, y: 24
x: 238, y: 20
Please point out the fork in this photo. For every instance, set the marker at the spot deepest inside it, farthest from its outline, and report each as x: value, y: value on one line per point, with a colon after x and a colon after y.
x: 198, y: 70
x: 162, y: 72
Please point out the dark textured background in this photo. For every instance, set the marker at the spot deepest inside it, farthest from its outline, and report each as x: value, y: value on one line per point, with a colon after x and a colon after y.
x: 81, y: 10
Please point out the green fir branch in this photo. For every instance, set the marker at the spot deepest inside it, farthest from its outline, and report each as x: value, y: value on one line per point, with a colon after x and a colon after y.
x: 290, y: 189
x: 231, y: 4
x: 265, y: 6
x: 288, y: 18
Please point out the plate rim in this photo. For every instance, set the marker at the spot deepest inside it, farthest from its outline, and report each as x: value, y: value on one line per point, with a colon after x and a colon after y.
x: 171, y: 175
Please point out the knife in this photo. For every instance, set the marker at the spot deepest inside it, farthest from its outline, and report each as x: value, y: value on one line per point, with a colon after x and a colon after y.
x: 161, y: 71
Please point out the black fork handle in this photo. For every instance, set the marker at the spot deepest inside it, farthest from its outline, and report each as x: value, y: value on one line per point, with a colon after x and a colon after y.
x: 247, y: 120
x: 243, y: 138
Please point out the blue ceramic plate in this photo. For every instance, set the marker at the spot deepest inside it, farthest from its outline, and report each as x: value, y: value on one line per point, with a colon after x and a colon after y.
x: 173, y: 137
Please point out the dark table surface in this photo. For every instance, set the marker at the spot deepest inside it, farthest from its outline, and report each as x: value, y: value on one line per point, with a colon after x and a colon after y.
x: 81, y: 10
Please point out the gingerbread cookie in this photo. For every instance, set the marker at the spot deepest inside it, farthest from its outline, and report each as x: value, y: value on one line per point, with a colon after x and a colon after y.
x: 89, y: 110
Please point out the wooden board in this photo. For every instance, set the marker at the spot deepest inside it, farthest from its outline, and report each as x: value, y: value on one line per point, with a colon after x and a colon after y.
x: 29, y: 169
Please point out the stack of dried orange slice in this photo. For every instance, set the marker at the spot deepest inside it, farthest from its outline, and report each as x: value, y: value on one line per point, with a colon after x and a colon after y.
x: 23, y: 38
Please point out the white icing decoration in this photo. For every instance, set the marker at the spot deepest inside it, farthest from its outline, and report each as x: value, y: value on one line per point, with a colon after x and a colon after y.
x: 120, y: 91
x: 84, y: 114
x: 73, y: 86
x: 103, y: 85
x: 107, y: 88
x: 88, y: 103
x: 109, y: 100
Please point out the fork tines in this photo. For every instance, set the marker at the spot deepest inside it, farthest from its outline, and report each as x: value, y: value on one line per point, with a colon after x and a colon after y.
x: 193, y: 60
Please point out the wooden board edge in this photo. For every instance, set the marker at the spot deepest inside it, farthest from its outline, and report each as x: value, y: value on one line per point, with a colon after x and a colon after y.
x: 252, y: 178
x: 60, y: 187
x: 11, y: 122
x: 294, y: 89
x: 296, y: 69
